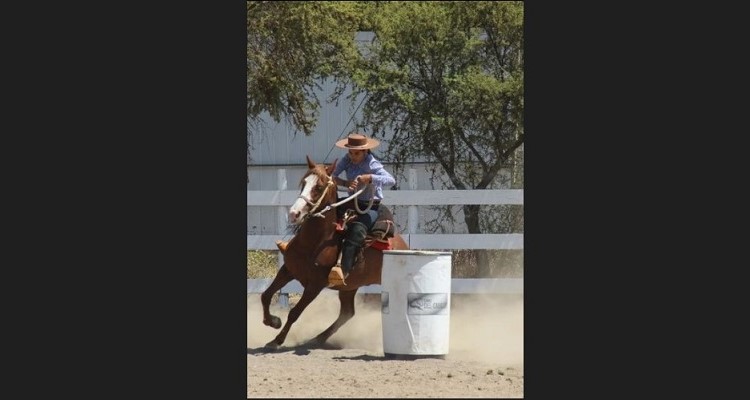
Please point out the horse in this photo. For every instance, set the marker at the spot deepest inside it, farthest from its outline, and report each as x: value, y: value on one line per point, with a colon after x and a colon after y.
x: 314, y: 250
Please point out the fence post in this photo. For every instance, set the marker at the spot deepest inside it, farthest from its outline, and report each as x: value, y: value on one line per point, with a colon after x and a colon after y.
x: 413, y: 213
x: 281, y: 213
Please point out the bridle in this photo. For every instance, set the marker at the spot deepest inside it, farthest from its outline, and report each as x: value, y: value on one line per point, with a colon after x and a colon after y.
x: 314, y: 206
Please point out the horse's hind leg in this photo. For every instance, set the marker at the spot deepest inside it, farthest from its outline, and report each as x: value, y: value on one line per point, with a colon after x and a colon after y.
x: 308, y: 295
x: 346, y: 312
x: 282, y: 278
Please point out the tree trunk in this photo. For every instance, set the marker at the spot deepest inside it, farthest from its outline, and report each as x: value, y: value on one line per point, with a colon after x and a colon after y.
x: 471, y: 216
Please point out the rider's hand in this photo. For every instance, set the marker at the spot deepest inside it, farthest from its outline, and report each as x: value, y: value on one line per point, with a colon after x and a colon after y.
x: 364, y: 179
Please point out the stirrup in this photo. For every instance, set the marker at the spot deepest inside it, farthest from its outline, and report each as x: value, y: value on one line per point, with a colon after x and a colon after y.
x: 336, y: 277
x: 282, y: 246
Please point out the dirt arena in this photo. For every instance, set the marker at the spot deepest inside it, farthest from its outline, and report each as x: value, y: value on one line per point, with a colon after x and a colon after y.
x: 485, y: 358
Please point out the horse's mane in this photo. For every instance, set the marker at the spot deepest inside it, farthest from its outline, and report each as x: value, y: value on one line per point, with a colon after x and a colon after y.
x: 296, y: 228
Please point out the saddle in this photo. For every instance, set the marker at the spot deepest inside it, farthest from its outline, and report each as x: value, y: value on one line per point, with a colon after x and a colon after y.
x: 379, y: 234
x: 381, y: 231
x: 378, y: 237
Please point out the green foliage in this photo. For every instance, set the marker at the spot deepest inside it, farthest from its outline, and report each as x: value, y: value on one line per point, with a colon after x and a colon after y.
x: 290, y: 47
x: 446, y: 78
x: 261, y: 264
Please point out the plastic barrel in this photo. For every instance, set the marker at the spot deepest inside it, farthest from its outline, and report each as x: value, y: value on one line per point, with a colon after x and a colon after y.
x: 416, y: 301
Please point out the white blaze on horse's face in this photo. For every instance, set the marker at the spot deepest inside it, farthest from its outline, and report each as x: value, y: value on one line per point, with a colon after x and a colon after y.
x: 300, y: 208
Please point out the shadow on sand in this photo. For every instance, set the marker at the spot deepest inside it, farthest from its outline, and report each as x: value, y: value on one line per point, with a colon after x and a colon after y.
x: 300, y: 350
x: 303, y: 350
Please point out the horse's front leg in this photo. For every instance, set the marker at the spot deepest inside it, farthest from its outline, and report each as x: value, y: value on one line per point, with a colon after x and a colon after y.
x: 308, y: 295
x: 282, y: 278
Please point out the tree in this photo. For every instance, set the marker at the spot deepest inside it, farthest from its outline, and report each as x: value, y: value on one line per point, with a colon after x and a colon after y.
x: 291, y: 47
x: 446, y: 80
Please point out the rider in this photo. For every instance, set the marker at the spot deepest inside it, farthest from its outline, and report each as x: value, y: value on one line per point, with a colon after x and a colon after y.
x: 361, y: 168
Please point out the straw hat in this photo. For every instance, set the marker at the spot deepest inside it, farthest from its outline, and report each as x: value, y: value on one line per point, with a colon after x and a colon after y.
x: 356, y: 141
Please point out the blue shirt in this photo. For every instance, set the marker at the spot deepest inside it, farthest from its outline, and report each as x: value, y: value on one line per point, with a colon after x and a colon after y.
x: 369, y: 165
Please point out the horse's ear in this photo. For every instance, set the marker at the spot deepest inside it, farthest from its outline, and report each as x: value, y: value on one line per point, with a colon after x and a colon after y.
x: 330, y: 168
x: 309, y: 162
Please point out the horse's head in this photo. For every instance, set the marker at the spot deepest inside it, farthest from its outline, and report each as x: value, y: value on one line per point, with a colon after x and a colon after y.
x: 318, y: 190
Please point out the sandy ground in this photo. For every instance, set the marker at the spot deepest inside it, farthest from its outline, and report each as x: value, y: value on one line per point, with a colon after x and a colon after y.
x: 485, y: 357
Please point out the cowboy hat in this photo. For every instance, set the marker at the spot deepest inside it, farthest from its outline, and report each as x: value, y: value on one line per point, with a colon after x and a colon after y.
x: 357, y: 142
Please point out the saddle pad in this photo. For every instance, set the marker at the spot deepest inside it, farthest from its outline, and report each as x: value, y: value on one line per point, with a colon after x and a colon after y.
x: 381, y: 244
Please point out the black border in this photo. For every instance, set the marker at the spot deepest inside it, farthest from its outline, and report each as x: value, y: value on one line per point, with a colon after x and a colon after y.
x: 129, y: 214
x: 627, y: 237
x: 125, y: 219
x: 581, y: 287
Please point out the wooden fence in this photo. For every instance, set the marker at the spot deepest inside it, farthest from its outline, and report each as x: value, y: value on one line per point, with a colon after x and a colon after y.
x: 412, y: 198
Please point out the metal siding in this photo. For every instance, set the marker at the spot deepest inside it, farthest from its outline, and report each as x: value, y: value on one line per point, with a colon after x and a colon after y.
x: 278, y: 143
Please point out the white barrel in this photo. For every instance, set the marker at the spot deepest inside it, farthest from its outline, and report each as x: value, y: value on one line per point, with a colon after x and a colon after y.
x: 416, y: 303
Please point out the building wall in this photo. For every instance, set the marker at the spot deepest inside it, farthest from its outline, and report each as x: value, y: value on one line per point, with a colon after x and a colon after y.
x: 275, y: 145
x: 278, y: 144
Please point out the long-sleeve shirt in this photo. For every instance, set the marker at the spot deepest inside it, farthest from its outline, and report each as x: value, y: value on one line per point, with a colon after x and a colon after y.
x: 369, y: 165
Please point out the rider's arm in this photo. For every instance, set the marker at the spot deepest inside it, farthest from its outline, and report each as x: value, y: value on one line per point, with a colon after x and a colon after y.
x: 340, y: 167
x: 379, y: 175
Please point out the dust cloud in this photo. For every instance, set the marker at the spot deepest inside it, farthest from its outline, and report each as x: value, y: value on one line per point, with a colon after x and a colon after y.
x: 483, y: 328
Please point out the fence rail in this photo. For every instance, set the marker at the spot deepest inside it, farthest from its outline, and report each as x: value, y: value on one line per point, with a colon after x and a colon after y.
x: 513, y: 241
x: 282, y: 198
x: 402, y: 197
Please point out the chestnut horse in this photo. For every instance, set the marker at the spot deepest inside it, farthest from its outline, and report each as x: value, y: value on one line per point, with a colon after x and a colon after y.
x: 314, y: 250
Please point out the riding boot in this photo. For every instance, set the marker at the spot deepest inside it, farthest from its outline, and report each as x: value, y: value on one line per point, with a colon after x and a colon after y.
x: 355, y: 238
x: 282, y: 246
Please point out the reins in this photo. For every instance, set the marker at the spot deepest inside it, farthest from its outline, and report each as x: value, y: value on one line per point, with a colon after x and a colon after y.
x: 356, y: 204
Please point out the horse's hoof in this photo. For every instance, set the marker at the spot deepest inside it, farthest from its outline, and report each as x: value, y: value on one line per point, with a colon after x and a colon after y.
x: 275, y: 322
x: 272, y: 345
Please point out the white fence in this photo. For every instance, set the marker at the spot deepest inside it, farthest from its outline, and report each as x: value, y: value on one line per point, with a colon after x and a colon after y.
x: 283, y: 198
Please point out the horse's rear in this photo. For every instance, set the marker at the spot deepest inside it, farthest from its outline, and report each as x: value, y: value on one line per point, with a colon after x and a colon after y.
x: 363, y: 274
